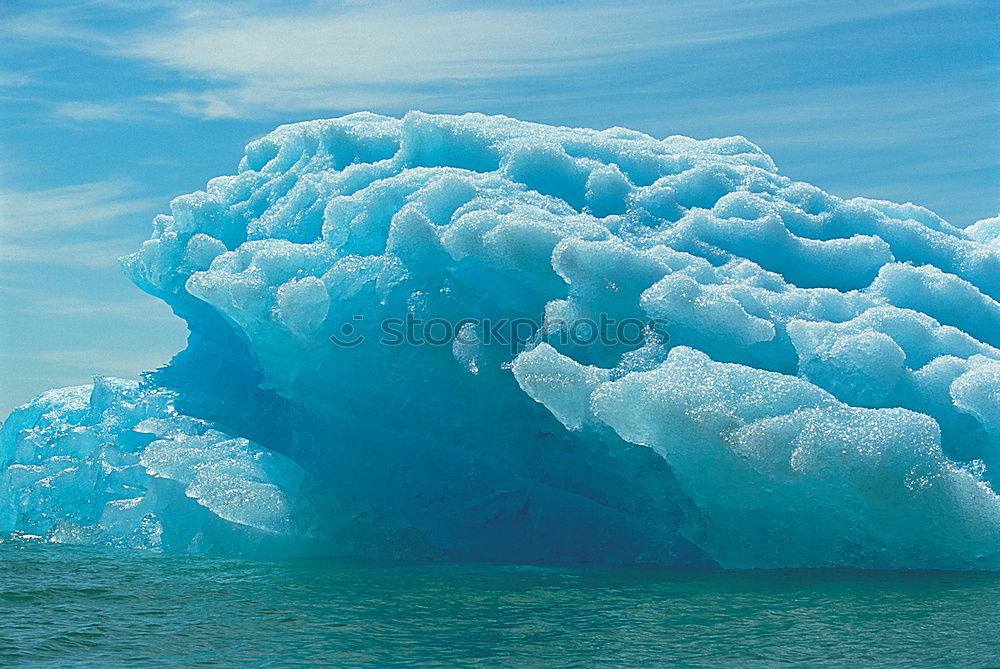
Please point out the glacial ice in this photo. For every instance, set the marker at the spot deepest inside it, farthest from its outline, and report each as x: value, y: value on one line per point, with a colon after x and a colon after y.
x: 821, y: 388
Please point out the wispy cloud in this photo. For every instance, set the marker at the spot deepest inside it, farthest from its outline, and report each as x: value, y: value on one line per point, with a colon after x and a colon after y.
x: 66, y: 26
x: 14, y: 79
x: 132, y: 305
x: 74, y: 226
x: 28, y: 213
x: 115, y: 112
x: 248, y: 60
x: 93, y: 254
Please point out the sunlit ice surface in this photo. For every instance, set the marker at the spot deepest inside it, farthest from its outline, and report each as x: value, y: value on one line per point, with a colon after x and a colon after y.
x: 818, y: 384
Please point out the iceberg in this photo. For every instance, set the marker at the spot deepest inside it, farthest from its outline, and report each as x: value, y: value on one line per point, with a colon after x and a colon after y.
x: 385, y: 362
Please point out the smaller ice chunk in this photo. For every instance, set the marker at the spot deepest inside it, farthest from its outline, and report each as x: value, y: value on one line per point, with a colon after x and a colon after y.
x: 986, y: 231
x: 782, y: 473
x: 116, y: 464
x: 561, y: 384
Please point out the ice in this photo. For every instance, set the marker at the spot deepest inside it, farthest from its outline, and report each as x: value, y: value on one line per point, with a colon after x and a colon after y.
x: 986, y: 231
x: 817, y: 382
x: 115, y: 463
x: 782, y: 473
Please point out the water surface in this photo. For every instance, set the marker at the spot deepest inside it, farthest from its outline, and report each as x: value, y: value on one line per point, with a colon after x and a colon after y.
x: 69, y: 607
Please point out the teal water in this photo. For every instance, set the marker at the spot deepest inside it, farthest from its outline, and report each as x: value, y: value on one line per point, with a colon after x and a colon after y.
x: 69, y: 607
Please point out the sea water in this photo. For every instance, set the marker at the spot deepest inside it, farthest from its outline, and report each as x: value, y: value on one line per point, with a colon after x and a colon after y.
x: 66, y: 606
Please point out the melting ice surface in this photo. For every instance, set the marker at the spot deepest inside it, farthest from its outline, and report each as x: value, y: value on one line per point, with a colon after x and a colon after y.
x: 826, y: 391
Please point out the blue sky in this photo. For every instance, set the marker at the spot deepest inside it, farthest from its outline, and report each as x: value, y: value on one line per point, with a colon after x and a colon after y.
x: 111, y: 107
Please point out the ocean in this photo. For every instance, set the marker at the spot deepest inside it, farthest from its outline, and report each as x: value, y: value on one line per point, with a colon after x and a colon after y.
x: 83, y: 607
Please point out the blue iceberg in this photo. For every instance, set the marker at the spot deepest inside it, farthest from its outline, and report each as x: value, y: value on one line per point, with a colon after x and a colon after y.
x: 815, y: 382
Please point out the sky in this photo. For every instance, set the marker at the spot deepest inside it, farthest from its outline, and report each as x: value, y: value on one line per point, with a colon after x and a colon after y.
x: 109, y: 108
